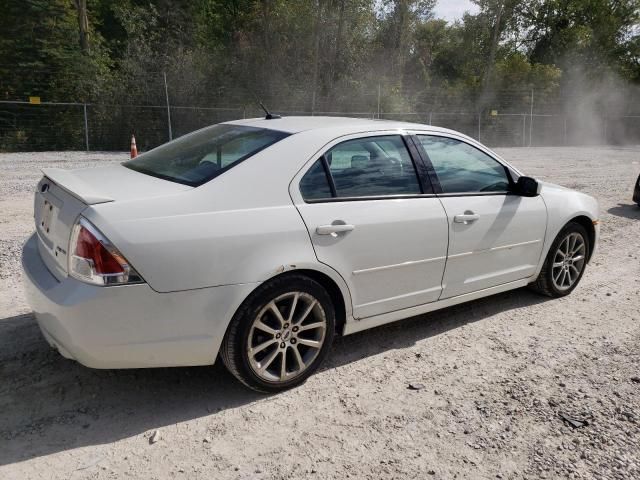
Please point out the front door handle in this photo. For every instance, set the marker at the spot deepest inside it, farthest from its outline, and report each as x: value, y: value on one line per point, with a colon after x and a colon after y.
x: 466, y: 218
x: 334, y: 229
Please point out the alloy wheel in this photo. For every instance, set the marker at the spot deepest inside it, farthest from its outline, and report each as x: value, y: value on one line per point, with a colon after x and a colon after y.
x: 569, y: 261
x: 286, y: 337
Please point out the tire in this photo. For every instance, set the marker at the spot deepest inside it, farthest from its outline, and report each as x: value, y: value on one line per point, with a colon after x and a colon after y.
x: 545, y: 284
x: 257, y: 323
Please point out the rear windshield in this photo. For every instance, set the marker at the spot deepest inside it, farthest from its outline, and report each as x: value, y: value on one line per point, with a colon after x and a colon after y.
x: 198, y: 157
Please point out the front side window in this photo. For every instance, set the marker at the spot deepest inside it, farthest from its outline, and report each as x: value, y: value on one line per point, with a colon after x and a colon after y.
x: 462, y: 168
x: 203, y: 155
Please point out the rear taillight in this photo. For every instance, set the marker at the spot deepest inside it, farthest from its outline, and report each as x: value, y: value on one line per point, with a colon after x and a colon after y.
x: 93, y: 259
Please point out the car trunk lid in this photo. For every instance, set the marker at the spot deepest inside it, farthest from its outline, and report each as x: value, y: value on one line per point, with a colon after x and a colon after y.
x: 62, y: 195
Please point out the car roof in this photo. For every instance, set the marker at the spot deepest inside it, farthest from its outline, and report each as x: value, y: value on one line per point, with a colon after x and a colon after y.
x: 354, y: 125
x: 347, y: 124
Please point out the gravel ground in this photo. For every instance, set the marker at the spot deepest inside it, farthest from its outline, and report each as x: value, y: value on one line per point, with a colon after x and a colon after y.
x: 497, y: 376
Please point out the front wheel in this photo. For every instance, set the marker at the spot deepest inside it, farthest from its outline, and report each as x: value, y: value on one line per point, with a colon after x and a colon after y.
x: 565, y: 263
x: 280, y: 335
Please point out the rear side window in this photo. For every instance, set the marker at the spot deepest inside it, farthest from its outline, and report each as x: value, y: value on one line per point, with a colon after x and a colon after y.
x: 462, y: 168
x: 342, y: 158
x: 364, y: 167
x: 315, y: 184
x: 201, y: 156
x: 377, y: 166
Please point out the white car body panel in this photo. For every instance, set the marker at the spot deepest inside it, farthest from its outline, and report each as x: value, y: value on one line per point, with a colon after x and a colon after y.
x: 203, y: 250
x: 563, y: 205
x: 395, y: 256
x: 502, y: 246
x: 115, y: 183
x: 131, y: 326
x: 372, y: 322
x: 208, y: 249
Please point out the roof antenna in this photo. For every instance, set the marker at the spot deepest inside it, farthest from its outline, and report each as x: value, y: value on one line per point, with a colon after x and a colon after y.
x: 269, y: 115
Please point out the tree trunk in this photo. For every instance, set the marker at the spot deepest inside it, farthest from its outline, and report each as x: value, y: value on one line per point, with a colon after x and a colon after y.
x: 337, y: 51
x: 316, y: 55
x: 495, y: 40
x: 402, y: 27
x: 83, y: 24
x: 266, y: 48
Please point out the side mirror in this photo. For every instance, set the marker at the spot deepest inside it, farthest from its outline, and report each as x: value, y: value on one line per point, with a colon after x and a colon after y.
x: 527, y: 187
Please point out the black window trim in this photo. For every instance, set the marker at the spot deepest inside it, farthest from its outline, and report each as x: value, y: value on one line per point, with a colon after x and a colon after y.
x: 433, y: 176
x: 371, y: 197
x: 426, y: 187
x: 426, y: 173
x: 329, y: 177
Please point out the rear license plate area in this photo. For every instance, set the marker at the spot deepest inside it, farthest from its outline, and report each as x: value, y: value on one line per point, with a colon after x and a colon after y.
x: 47, y: 215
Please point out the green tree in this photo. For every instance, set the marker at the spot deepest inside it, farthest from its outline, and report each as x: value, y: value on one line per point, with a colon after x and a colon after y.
x: 594, y: 35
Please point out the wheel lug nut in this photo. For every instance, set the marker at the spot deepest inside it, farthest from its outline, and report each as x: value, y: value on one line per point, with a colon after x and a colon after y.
x: 282, y: 345
x: 295, y: 329
x: 286, y: 325
x: 277, y: 335
x: 293, y: 341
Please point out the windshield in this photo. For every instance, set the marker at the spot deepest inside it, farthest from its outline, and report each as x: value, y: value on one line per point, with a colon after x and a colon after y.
x: 201, y: 156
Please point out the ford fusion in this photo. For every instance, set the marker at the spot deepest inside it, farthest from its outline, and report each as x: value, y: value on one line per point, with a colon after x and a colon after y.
x: 258, y: 241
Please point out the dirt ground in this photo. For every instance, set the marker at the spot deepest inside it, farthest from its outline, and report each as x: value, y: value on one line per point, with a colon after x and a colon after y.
x: 497, y: 374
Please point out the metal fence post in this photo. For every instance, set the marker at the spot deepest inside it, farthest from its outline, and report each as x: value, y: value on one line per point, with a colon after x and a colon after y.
x: 524, y: 129
x: 564, y: 133
x: 86, y: 128
x: 430, y: 117
x: 378, y: 101
x: 531, y: 121
x: 479, y: 120
x: 166, y: 94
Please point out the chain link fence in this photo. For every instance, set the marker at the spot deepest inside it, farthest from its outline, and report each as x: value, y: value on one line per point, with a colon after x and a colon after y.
x: 37, y: 126
x: 95, y: 127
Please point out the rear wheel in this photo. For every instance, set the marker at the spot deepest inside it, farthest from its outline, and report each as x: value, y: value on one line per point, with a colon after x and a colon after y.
x: 280, y: 335
x: 565, y: 263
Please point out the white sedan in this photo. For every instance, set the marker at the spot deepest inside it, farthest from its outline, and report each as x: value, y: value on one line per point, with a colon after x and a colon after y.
x: 260, y: 240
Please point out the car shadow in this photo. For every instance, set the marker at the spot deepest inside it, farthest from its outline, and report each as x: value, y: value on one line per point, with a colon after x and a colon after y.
x: 50, y: 404
x: 624, y: 210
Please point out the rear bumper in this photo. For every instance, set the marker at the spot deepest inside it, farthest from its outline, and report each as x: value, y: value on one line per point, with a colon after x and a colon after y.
x: 129, y: 326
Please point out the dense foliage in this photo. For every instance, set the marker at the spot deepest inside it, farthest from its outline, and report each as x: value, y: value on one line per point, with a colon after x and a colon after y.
x: 320, y: 55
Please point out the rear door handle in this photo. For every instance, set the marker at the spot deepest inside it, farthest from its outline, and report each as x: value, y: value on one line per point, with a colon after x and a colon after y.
x: 334, y: 230
x: 466, y: 218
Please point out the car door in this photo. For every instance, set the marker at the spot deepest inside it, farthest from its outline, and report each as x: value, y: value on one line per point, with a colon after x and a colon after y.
x: 495, y: 236
x: 372, y: 219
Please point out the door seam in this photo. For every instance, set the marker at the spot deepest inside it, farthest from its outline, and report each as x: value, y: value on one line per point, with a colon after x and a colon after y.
x: 446, y: 261
x: 315, y: 253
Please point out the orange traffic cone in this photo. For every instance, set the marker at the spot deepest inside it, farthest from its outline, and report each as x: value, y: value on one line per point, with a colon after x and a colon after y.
x: 134, y: 149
